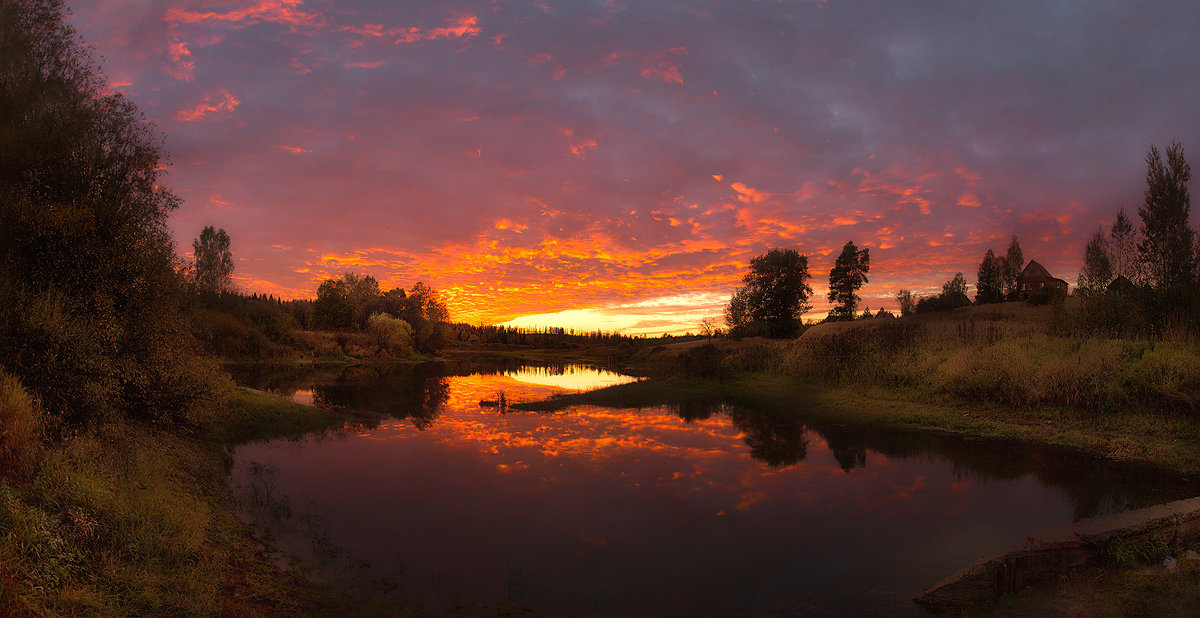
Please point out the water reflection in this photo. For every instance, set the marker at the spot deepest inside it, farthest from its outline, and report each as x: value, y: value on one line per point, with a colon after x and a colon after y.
x: 660, y: 511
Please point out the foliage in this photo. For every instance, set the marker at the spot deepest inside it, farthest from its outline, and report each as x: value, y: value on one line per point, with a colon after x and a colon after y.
x: 1122, y: 247
x: 848, y: 275
x: 347, y: 303
x: 1011, y: 266
x: 1166, y: 251
x: 427, y: 314
x: 908, y: 304
x: 954, y: 295
x: 991, y: 281
x: 92, y: 319
x: 20, y: 424
x: 1097, y: 269
x: 775, y: 295
x: 956, y: 287
x: 213, y: 261
x: 391, y: 335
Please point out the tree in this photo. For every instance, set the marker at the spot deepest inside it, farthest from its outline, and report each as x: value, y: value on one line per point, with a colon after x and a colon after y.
x: 428, y: 315
x: 1122, y: 247
x: 990, y: 283
x: 737, y: 313
x: 212, y: 261
x: 1097, y: 266
x: 92, y: 319
x: 908, y: 303
x: 776, y: 293
x: 1011, y: 266
x: 848, y: 275
x: 1166, y: 251
x: 954, y: 291
x: 333, y: 309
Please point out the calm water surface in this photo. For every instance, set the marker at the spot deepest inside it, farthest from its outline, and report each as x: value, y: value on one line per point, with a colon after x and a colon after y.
x: 707, y: 510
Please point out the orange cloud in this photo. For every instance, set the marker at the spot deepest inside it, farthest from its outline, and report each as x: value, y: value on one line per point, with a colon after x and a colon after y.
x: 207, y: 107
x: 466, y: 26
x: 284, y: 11
x: 294, y: 149
x: 749, y: 195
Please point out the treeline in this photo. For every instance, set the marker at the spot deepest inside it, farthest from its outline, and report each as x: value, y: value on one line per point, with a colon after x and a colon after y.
x: 1145, y: 281
x: 550, y: 337
x: 351, y: 310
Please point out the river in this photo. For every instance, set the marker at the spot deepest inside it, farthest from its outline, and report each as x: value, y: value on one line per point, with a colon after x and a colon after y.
x: 464, y: 506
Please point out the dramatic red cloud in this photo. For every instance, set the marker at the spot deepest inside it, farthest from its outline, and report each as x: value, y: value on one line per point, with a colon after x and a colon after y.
x: 617, y: 165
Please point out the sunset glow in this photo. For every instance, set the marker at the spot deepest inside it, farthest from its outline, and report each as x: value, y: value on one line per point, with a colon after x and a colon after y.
x: 616, y: 165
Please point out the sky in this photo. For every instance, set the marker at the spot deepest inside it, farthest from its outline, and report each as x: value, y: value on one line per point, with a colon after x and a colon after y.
x: 616, y: 164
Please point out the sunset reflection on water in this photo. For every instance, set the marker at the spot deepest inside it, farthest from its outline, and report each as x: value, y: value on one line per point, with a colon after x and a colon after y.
x: 595, y: 510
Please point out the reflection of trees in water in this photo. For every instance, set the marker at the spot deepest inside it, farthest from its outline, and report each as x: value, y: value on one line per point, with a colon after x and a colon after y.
x: 1095, y: 486
x: 774, y: 439
x: 416, y: 392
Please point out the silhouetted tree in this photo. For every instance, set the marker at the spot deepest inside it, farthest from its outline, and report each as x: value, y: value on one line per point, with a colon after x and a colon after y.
x: 1122, y: 247
x: 990, y: 282
x: 1167, y: 254
x: 333, y: 310
x: 212, y: 261
x: 1097, y: 269
x: 908, y: 303
x: 1011, y: 266
x: 92, y: 319
x: 428, y: 315
x: 848, y: 275
x: 775, y: 295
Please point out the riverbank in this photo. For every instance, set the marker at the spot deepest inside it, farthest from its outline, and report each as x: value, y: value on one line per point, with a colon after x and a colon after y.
x: 133, y: 518
x: 1132, y: 437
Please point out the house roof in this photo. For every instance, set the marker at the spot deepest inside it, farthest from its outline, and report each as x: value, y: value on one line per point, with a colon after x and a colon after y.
x: 1036, y: 271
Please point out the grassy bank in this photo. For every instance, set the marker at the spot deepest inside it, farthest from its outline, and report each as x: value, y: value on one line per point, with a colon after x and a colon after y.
x: 129, y: 518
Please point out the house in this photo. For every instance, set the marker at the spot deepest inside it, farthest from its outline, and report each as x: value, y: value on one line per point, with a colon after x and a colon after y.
x: 1036, y: 278
x: 1122, y: 285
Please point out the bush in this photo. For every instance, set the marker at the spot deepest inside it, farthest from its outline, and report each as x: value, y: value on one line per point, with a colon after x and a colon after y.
x: 20, y: 424
x: 390, y: 335
x: 703, y: 361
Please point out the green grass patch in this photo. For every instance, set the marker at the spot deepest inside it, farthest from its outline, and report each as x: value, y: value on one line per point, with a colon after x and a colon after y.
x: 133, y: 518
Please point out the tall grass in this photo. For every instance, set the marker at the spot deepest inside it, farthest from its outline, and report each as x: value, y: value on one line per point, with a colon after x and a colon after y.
x: 20, y: 424
x: 1012, y: 356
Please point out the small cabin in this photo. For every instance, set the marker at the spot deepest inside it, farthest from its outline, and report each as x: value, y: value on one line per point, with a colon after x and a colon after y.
x: 1036, y: 278
x: 1122, y: 285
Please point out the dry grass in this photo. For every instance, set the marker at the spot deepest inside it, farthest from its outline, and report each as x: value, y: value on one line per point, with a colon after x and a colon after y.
x: 20, y: 424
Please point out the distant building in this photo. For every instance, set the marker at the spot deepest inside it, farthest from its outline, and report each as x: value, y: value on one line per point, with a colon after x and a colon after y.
x: 1122, y: 285
x: 1036, y: 278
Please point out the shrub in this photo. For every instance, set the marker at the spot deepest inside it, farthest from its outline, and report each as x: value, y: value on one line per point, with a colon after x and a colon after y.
x: 20, y: 423
x: 703, y: 361
x: 390, y: 335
